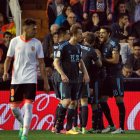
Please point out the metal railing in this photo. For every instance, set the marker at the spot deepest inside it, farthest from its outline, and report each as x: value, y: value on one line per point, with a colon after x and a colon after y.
x: 16, y: 13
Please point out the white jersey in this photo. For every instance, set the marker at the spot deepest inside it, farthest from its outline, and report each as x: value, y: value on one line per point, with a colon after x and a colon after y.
x: 25, y: 55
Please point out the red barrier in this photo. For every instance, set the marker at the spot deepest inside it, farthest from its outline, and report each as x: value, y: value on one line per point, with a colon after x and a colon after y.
x: 45, y: 105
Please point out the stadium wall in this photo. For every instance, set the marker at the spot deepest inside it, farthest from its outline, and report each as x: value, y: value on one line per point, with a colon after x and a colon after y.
x: 45, y: 105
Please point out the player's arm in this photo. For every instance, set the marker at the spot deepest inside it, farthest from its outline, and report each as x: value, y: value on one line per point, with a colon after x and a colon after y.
x: 7, y: 64
x: 98, y: 62
x: 44, y: 75
x: 114, y: 59
x: 60, y: 71
x: 83, y: 68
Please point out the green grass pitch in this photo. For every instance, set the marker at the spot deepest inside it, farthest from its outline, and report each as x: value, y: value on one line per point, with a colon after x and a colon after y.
x: 48, y: 135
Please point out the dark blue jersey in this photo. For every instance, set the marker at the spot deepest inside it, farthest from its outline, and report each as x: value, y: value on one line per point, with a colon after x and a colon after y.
x: 89, y: 56
x: 107, y: 50
x: 70, y: 56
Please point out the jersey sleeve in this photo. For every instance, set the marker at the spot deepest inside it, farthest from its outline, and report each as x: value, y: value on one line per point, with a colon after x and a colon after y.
x: 59, y: 52
x: 11, y: 49
x: 116, y: 49
x: 40, y: 54
x: 94, y: 55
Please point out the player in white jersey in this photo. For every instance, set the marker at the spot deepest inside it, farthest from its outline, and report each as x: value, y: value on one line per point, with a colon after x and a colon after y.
x: 26, y: 50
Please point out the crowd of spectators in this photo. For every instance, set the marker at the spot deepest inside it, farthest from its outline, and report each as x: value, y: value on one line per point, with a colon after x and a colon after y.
x: 122, y: 15
x: 7, y: 29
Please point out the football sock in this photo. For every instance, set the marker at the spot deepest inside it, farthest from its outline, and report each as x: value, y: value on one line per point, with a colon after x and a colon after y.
x: 17, y: 113
x: 121, y: 107
x: 84, y: 115
x: 56, y: 115
x: 70, y: 118
x: 27, y: 118
x: 94, y: 118
x: 100, y: 118
x: 75, y: 117
x: 106, y: 111
x: 62, y: 113
x: 80, y: 115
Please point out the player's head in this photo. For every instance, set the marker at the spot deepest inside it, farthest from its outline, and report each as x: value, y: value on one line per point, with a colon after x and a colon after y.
x: 136, y: 49
x: 63, y: 34
x: 55, y: 37
x: 77, y: 23
x: 76, y: 33
x: 7, y: 36
x: 83, y: 36
x: 127, y: 70
x: 123, y: 18
x: 131, y: 39
x: 29, y: 27
x: 90, y: 38
x: 105, y: 33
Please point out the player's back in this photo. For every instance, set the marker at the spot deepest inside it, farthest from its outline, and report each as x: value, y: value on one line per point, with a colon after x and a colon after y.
x: 88, y: 55
x: 25, y: 59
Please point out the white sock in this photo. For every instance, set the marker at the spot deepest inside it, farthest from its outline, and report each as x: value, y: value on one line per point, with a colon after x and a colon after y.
x: 17, y: 113
x: 27, y: 118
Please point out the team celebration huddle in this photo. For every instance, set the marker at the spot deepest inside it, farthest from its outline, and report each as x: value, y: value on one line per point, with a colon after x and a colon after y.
x: 87, y: 71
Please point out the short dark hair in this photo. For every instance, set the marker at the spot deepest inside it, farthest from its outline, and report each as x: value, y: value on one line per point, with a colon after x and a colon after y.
x: 131, y: 35
x: 61, y: 31
x: 136, y: 44
x: 7, y: 33
x: 90, y: 38
x: 128, y: 66
x: 107, y: 28
x: 121, y: 15
x: 74, y: 29
x: 65, y: 9
x: 29, y: 22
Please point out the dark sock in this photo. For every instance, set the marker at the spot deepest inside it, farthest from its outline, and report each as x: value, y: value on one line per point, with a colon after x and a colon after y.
x: 121, y: 107
x: 106, y: 111
x: 56, y: 114
x: 100, y: 118
x: 80, y: 115
x: 84, y: 115
x: 70, y: 118
x: 94, y: 118
x: 62, y: 113
x: 75, y: 117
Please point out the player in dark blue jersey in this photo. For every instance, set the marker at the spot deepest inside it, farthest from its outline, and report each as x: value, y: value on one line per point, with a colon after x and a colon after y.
x: 113, y: 83
x: 89, y: 56
x: 63, y: 35
x: 67, y: 61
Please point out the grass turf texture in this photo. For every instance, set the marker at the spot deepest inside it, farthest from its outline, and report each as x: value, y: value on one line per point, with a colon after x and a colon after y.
x: 48, y: 135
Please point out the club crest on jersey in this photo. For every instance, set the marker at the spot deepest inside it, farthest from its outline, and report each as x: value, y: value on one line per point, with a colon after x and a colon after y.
x: 58, y: 54
x: 32, y: 48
